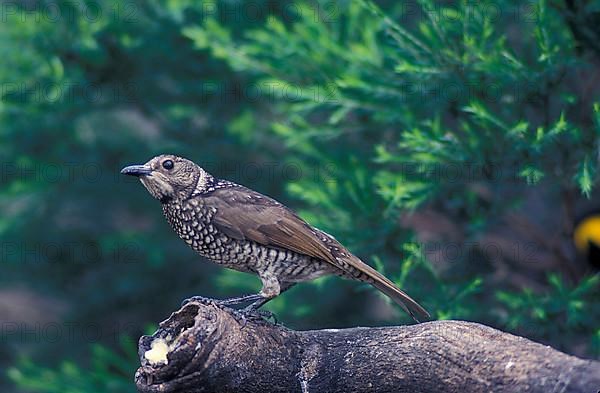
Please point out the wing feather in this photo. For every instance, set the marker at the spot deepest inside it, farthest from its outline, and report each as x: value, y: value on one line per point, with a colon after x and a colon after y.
x: 246, y: 214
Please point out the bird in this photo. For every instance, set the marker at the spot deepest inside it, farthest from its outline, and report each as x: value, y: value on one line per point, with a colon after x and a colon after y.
x: 241, y: 229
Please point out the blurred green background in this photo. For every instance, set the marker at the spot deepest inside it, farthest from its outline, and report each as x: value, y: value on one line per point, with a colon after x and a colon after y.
x: 453, y: 145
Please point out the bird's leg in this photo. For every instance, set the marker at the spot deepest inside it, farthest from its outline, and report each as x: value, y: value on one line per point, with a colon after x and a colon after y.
x: 282, y: 287
x: 271, y: 288
x: 258, y: 304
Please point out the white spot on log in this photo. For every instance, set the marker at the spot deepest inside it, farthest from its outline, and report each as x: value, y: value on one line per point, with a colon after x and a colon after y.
x: 158, y: 352
x: 304, y: 386
x: 308, y: 367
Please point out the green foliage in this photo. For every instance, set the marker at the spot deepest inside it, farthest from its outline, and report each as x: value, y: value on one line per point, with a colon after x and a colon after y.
x: 109, y: 371
x: 561, y: 310
x: 460, y: 294
x: 424, y: 136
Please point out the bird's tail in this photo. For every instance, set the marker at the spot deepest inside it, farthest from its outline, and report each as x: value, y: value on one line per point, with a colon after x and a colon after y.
x: 352, y: 267
x: 409, y: 305
x: 386, y: 286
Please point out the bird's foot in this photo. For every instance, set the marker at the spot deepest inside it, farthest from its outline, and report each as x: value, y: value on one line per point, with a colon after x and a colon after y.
x: 251, y: 312
x: 223, y: 302
x: 239, y: 300
x: 246, y: 314
x: 254, y: 312
x: 198, y: 299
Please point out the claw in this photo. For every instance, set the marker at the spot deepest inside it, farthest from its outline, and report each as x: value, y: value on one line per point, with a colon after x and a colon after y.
x: 252, y: 313
x: 243, y: 319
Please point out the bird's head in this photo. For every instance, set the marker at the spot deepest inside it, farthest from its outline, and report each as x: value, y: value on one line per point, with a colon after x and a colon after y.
x: 168, y: 177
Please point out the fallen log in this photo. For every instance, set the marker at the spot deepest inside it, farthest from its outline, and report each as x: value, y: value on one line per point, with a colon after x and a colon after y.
x: 205, y: 347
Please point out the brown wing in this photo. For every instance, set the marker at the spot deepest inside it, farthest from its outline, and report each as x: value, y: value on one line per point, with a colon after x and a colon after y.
x: 246, y: 214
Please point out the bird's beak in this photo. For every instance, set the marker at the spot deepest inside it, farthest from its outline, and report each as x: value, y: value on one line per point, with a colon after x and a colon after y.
x: 136, y: 170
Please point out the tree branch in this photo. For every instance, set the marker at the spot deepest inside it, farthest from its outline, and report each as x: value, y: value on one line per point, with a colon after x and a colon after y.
x: 204, y: 347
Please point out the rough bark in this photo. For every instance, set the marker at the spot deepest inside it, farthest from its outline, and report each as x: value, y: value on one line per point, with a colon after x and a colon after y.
x: 210, y: 348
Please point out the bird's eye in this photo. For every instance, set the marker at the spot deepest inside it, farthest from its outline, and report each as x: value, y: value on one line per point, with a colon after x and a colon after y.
x: 168, y: 164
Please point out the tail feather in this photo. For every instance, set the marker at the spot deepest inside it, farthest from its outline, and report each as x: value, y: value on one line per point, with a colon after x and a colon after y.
x: 386, y: 286
x: 352, y: 267
x: 407, y: 303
